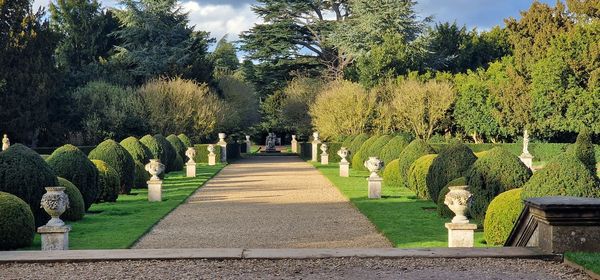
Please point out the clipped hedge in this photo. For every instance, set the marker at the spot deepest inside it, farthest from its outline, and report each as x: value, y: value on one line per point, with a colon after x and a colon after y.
x: 137, y: 150
x: 113, y: 154
x: 418, y: 175
x: 496, y: 172
x: 583, y: 149
x: 451, y: 163
x: 187, y: 142
x: 362, y: 154
x: 25, y: 174
x: 565, y: 175
x: 357, y: 143
x: 377, y: 146
x: 332, y: 149
x: 108, y: 179
x: 202, y: 153
x: 179, y: 147
x: 416, y: 149
x: 141, y: 175
x: 76, y: 208
x: 72, y: 164
x: 154, y: 147
x: 233, y: 151
x: 501, y: 216
x: 391, y: 175
x: 348, y: 141
x: 393, y: 148
x: 17, y: 225
x: 178, y: 164
x: 169, y: 153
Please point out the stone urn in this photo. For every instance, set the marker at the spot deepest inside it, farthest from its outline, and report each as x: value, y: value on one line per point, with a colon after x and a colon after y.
x: 324, y: 149
x: 55, y: 201
x: 316, y: 136
x: 247, y: 138
x: 458, y: 201
x: 343, y: 153
x: 294, y: 137
x: 211, y: 149
x: 191, y: 154
x: 222, y: 137
x: 155, y: 168
x: 374, y: 164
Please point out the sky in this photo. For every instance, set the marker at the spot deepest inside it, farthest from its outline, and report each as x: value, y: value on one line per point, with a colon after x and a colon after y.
x: 230, y: 17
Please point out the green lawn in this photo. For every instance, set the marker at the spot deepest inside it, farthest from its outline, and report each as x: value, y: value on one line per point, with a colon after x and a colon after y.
x: 590, y: 261
x: 120, y: 224
x: 406, y: 221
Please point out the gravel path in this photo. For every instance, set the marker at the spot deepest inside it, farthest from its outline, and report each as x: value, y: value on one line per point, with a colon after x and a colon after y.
x: 346, y: 269
x: 266, y: 202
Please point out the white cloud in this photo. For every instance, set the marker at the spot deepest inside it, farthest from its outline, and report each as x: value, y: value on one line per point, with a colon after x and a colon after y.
x: 220, y: 19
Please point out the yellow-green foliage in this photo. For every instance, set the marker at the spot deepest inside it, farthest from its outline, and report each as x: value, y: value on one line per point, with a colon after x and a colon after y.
x: 416, y: 149
x: 185, y: 140
x: 391, y: 174
x: 108, y: 179
x: 348, y: 141
x: 481, y: 154
x: 17, y: 226
x: 356, y: 143
x: 377, y: 146
x: 417, y: 175
x: 113, y: 154
x: 362, y: 154
x: 452, y: 162
x: 180, y: 148
x: 501, y: 215
x: 392, y: 149
x: 137, y: 150
x: 583, y: 149
x: 76, y: 208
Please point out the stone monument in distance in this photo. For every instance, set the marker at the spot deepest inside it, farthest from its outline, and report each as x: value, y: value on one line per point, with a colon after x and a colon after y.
x: 212, y: 158
x: 5, y: 142
x: 294, y: 144
x: 344, y: 164
x: 525, y: 156
x: 190, y: 165
x: 223, y: 145
x: 324, y: 154
x: 315, y: 145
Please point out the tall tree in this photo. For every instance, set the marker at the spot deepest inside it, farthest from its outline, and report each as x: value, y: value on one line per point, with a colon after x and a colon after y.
x: 225, y: 56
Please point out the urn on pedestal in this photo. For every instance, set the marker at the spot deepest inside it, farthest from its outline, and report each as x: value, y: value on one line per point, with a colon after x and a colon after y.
x: 155, y: 168
x: 324, y: 154
x: 191, y: 154
x: 343, y: 153
x: 374, y: 164
x: 55, y: 202
x: 460, y: 231
x: 344, y: 164
x: 5, y: 142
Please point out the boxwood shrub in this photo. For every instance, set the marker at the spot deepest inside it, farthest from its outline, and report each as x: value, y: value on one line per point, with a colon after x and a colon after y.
x: 17, y: 225
x: 416, y: 149
x: 187, y: 142
x: 169, y: 153
x: 356, y: 143
x: 141, y: 175
x: 137, y: 150
x: 72, y: 164
x: 108, y: 179
x: 501, y: 216
x: 332, y: 149
x: 113, y: 154
x: 452, y: 162
x: 154, y: 147
x: 377, y: 146
x: 393, y: 148
x: 418, y: 175
x: 348, y: 141
x: 25, y: 174
x: 496, y: 172
x: 565, y: 175
x: 391, y: 174
x: 179, y: 147
x: 362, y: 154
x: 76, y: 208
x: 583, y: 149
x: 202, y: 153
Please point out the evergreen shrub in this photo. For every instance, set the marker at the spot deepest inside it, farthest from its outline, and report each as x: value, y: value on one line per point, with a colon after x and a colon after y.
x: 583, y: 149
x: 202, y: 153
x: 141, y: 175
x: 416, y: 149
x: 179, y: 147
x: 418, y: 175
x: 137, y: 150
x: 501, y: 216
x: 17, y: 225
x: 391, y: 174
x: 452, y: 162
x: 187, y: 142
x: 113, y: 154
x: 356, y: 143
x: 108, y: 180
x: 76, y: 208
x: 332, y: 149
x: 393, y: 148
x: 169, y: 153
x: 154, y: 147
x: 362, y: 154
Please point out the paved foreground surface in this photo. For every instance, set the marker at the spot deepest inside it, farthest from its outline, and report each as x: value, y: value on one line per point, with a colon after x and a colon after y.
x: 266, y: 202
x: 337, y: 268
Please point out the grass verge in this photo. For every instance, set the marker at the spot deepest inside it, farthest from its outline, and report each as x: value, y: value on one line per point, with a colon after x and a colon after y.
x: 589, y: 261
x: 120, y: 224
x: 408, y: 222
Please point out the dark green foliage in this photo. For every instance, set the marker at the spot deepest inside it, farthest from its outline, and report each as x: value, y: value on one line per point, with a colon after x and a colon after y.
x: 169, y: 153
x: 113, y: 154
x: 416, y: 149
x: 442, y: 209
x: 108, y: 180
x: 362, y: 154
x: 154, y: 147
x: 565, y: 175
x: 391, y: 174
x: 233, y: 151
x: 418, y: 176
x: 501, y: 216
x: 451, y: 163
x: 305, y: 150
x: 178, y: 163
x: 393, y: 148
x: 332, y: 149
x: 137, y: 150
x: 76, y: 208
x: 17, y: 227
x: 494, y: 173
x: 356, y: 143
x: 179, y: 147
x: 70, y: 163
x: 25, y: 174
x: 141, y: 176
x: 584, y: 150
x: 202, y: 153
x: 377, y: 146
x: 187, y: 142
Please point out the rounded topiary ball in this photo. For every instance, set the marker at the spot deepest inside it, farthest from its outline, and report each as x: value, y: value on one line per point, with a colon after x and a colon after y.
x: 153, y: 146
x: 137, y: 150
x: 377, y: 146
x: 362, y: 154
x: 418, y: 176
x: 169, y: 153
x: 187, y: 142
x: 113, y: 154
x: 494, y: 173
x: 501, y: 216
x: 356, y: 143
x: 108, y: 179
x: 391, y: 174
x: 564, y: 175
x: 25, y: 174
x: 583, y: 149
x: 179, y: 147
x: 141, y: 176
x: 416, y: 149
x: 348, y: 141
x: 17, y: 225
x: 76, y: 208
x: 452, y: 162
x: 72, y: 164
x: 391, y: 151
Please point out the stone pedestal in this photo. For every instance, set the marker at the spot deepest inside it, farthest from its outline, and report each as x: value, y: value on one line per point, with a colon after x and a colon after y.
x: 344, y: 169
x: 461, y: 235
x: 315, y: 150
x: 294, y: 146
x: 527, y: 159
x: 248, y: 147
x: 212, y: 160
x: 324, y: 159
x: 223, y: 145
x: 375, y: 187
x: 154, y: 190
x: 190, y: 169
x: 54, y: 238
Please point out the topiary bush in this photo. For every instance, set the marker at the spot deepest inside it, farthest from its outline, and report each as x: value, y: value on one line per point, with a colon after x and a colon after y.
x: 178, y: 164
x: 452, y: 162
x: 391, y: 175
x: 17, y: 225
x: 179, y: 147
x: 113, y: 154
x: 393, y: 148
x: 187, y: 142
x: 169, y: 154
x: 202, y: 153
x: 418, y: 175
x: 378, y: 145
x: 141, y: 176
x: 501, y: 216
x: 565, y: 175
x: 583, y: 149
x: 154, y: 147
x: 25, y: 174
x: 416, y: 149
x: 108, y: 179
x: 137, y: 150
x: 72, y: 164
x: 362, y: 154
x: 496, y: 172
x: 332, y: 149
x: 348, y: 141
x: 442, y: 208
x: 76, y: 208
x: 356, y: 143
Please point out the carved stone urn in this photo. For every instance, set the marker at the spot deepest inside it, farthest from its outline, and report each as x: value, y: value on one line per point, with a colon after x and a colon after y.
x: 316, y: 136
x: 374, y: 164
x: 211, y: 149
x: 55, y: 201
x: 5, y: 142
x: 324, y: 149
x: 191, y: 154
x: 222, y: 137
x: 458, y: 201
x: 343, y: 153
x: 155, y: 168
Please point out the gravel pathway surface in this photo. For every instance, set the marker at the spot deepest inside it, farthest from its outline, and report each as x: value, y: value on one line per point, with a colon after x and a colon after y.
x: 346, y: 269
x: 266, y: 202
